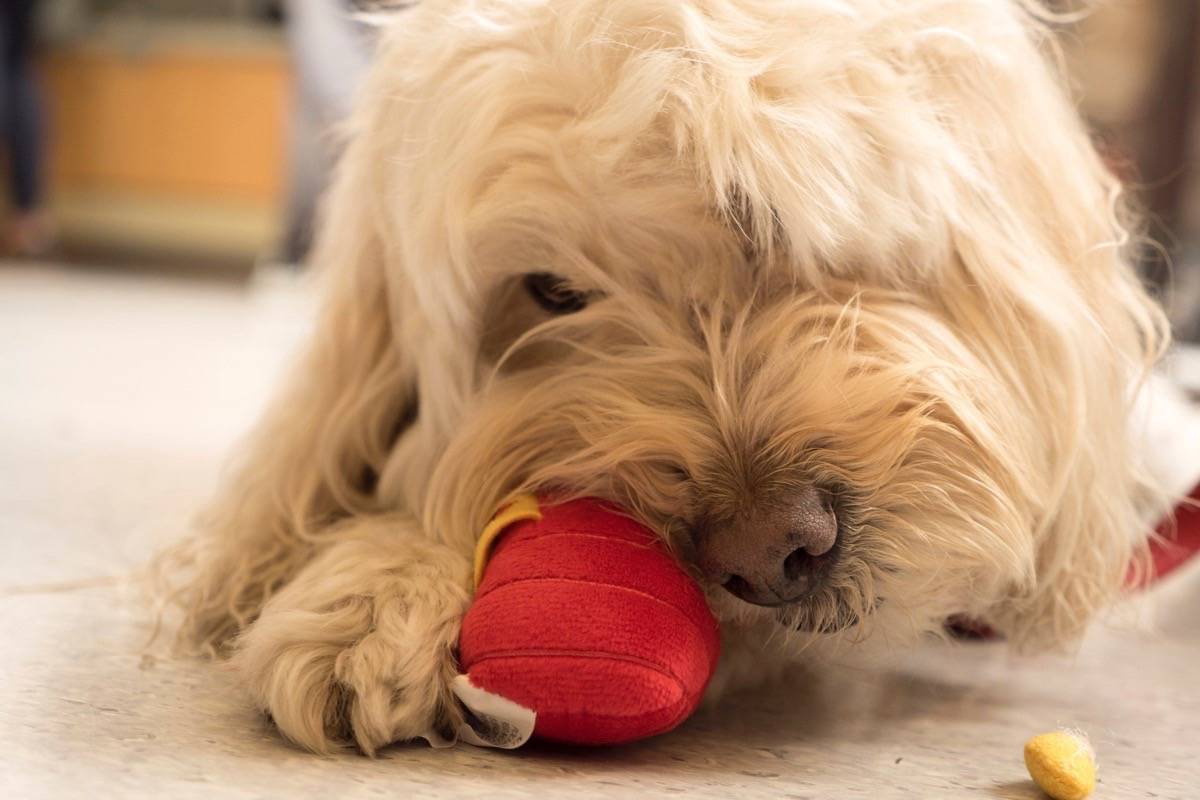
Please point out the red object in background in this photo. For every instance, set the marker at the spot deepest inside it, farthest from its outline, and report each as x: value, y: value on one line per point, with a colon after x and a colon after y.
x: 1178, y: 539
x: 586, y: 618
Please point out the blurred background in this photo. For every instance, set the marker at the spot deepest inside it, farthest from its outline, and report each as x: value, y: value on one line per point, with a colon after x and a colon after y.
x: 183, y: 133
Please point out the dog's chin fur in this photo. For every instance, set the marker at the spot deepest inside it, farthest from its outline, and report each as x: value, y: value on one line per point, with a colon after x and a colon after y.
x: 865, y: 244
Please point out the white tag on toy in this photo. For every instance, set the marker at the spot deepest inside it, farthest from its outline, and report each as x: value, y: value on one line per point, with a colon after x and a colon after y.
x: 491, y: 720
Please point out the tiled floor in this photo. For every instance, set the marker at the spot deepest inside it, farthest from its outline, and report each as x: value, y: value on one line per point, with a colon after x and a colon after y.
x: 118, y: 397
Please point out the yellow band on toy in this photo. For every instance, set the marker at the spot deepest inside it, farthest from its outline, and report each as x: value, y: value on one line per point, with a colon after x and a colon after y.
x: 521, y: 507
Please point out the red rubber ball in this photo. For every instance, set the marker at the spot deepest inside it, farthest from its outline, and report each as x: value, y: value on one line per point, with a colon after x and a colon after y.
x: 586, y: 618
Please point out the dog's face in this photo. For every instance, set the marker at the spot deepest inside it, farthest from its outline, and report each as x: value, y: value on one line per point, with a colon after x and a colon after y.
x: 827, y: 293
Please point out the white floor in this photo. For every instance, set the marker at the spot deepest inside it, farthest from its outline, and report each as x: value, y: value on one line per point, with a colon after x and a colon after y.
x: 118, y: 397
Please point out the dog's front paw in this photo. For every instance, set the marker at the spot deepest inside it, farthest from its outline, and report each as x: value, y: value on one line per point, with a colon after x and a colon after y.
x: 358, y: 648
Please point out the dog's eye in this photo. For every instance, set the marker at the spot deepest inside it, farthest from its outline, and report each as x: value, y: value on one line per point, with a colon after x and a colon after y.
x: 554, y: 294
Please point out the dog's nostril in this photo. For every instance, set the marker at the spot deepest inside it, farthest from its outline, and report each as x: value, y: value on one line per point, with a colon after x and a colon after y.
x: 799, y: 564
x: 738, y: 585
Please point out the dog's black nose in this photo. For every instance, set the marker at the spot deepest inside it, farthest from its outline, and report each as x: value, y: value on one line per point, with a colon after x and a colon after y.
x: 774, y: 554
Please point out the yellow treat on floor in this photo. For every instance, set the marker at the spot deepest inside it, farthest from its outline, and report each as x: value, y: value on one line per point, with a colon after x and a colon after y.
x: 1062, y: 764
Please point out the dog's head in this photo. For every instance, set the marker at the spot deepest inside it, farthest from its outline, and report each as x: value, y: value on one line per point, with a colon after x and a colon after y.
x: 831, y: 294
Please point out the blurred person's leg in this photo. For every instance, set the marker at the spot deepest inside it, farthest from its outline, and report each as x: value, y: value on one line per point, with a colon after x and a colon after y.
x: 20, y: 103
x: 330, y: 53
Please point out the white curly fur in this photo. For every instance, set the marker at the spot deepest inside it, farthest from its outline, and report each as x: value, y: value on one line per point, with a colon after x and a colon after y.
x: 865, y: 243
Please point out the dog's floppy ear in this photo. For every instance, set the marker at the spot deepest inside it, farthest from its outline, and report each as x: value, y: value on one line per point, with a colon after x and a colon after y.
x: 1048, y: 297
x: 356, y: 393
x: 317, y: 453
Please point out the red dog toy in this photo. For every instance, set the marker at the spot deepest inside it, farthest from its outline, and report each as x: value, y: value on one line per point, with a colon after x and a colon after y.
x: 583, y: 616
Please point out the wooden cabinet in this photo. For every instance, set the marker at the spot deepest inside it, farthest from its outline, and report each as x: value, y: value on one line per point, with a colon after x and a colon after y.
x: 171, y: 139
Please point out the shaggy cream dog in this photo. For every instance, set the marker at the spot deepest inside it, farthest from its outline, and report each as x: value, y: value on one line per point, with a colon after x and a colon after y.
x: 834, y: 288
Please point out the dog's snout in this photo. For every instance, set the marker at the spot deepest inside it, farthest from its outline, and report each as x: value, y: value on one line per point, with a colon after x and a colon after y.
x: 774, y: 554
